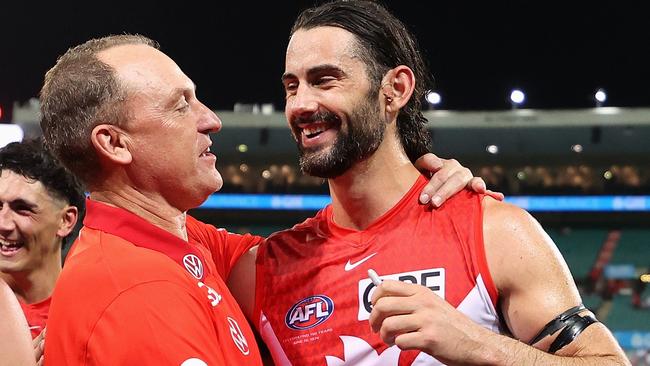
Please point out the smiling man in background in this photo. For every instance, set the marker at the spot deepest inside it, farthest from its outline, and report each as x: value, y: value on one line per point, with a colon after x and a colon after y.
x: 40, y: 202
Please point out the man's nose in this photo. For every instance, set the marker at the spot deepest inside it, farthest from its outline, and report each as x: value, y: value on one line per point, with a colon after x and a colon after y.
x: 209, y: 121
x: 7, y: 222
x: 302, y: 104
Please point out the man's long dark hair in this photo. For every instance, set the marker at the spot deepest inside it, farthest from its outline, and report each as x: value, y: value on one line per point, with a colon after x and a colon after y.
x: 383, y: 43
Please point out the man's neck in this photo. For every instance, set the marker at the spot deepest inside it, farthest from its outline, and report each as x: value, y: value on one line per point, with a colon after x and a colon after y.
x: 35, y: 286
x: 153, y: 208
x: 371, y: 187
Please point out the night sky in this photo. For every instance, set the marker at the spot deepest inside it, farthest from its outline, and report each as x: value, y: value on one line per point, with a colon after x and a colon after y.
x: 558, y: 53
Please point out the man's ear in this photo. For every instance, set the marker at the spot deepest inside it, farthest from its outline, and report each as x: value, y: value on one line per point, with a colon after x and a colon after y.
x: 110, y: 142
x: 69, y: 217
x: 397, y: 87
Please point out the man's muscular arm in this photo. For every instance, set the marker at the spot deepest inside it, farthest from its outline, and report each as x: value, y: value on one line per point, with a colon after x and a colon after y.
x: 241, y: 282
x: 14, y: 332
x: 534, y: 286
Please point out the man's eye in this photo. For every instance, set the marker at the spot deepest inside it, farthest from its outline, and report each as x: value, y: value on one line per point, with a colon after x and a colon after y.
x: 23, y: 210
x: 290, y: 86
x: 323, y: 80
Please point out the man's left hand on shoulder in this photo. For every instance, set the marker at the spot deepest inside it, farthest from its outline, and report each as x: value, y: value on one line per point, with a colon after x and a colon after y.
x: 448, y: 178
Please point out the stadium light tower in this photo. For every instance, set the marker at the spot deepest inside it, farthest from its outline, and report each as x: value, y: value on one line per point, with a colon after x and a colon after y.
x: 517, y: 98
x: 600, y: 96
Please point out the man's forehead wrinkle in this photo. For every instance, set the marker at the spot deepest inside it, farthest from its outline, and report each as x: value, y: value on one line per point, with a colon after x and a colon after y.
x: 342, y: 62
x: 142, y: 84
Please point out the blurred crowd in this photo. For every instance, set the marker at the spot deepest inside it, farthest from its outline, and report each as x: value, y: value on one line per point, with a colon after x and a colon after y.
x: 526, y: 180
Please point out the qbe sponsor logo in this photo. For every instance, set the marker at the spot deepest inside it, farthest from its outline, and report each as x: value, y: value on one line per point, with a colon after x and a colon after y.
x: 433, y: 278
x: 309, y: 312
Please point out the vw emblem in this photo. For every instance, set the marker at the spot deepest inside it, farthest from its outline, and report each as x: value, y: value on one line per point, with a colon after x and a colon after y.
x: 193, y: 265
x: 238, y: 336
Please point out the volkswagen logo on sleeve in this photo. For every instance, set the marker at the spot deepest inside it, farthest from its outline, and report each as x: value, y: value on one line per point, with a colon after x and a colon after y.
x: 309, y: 312
x: 238, y: 336
x: 193, y: 265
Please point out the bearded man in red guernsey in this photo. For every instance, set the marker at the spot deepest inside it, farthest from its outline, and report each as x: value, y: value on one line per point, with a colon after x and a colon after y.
x: 471, y: 282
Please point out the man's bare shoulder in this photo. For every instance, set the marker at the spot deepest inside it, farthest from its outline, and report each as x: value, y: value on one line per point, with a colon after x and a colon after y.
x: 517, y: 247
x: 509, y: 227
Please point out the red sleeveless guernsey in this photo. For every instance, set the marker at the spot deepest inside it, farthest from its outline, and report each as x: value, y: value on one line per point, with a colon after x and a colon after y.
x: 313, y: 291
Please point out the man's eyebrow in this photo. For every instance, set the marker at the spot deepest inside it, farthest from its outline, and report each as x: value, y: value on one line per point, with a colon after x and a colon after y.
x: 23, y: 203
x: 319, y: 69
x: 287, y: 76
x: 326, y: 68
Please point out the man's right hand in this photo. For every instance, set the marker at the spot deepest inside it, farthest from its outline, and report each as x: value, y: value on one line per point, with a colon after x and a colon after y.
x: 39, y: 346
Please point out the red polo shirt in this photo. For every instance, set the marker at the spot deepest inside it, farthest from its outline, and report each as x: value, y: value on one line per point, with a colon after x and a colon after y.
x: 133, y: 294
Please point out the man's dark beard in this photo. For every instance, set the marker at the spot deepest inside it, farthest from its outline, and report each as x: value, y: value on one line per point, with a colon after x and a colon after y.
x: 365, y: 133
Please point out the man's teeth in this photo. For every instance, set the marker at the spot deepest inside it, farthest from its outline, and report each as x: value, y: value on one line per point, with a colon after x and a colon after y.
x: 313, y: 130
x: 9, y: 245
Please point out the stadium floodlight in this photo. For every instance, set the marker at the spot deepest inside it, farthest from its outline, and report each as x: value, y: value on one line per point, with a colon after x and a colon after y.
x: 492, y: 149
x: 645, y: 278
x: 608, y: 175
x: 433, y: 98
x: 577, y: 148
x: 600, y: 96
x: 517, y: 97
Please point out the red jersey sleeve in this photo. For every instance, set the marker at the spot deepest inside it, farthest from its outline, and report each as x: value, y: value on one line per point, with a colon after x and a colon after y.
x: 225, y: 247
x: 151, y: 324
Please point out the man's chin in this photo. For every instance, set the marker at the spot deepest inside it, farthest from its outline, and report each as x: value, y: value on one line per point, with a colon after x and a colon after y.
x: 199, y: 194
x: 10, y: 267
x: 212, y: 187
x: 215, y: 183
x: 326, y: 169
x: 218, y: 185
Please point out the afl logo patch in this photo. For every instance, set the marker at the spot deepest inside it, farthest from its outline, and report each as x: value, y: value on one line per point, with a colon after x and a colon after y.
x: 193, y: 265
x: 309, y: 312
